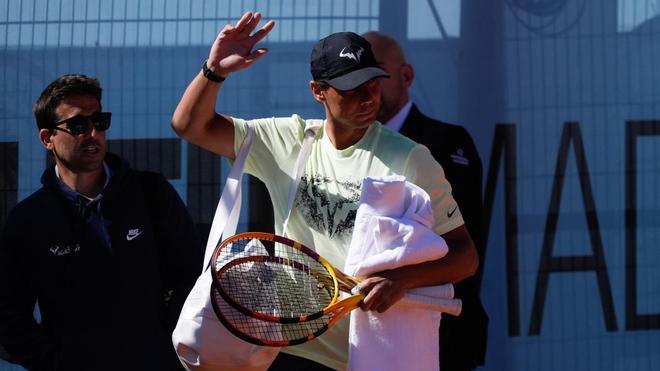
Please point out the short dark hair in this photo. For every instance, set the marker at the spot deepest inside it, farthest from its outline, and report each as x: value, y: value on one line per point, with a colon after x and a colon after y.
x: 64, y: 87
x: 323, y: 85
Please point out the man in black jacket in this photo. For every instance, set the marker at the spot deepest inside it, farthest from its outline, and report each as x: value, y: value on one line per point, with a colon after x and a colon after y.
x: 107, y: 252
x: 463, y: 338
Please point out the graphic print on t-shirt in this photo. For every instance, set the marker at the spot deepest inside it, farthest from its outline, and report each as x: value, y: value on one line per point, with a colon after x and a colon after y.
x: 332, y: 214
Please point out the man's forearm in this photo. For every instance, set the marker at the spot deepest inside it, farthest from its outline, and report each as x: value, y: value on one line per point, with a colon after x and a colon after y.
x: 197, y: 105
x: 196, y: 121
x: 450, y: 269
x: 460, y: 263
x: 386, y: 287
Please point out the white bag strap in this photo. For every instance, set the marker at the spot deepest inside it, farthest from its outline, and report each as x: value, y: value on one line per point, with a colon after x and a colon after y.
x: 226, y: 215
x: 311, y: 128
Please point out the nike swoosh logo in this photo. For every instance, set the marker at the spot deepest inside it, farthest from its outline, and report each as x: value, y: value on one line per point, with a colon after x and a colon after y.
x: 450, y: 213
x: 130, y: 237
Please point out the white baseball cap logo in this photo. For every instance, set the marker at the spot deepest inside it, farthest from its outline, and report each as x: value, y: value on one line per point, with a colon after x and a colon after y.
x: 354, y: 52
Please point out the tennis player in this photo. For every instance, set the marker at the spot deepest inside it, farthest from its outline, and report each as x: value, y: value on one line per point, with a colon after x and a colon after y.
x: 350, y: 146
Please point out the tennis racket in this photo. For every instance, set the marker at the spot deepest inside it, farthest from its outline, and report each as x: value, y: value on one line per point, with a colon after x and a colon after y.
x: 265, y: 333
x: 268, y: 279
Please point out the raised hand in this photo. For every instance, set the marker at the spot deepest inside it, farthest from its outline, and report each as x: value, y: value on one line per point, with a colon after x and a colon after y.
x: 232, y: 49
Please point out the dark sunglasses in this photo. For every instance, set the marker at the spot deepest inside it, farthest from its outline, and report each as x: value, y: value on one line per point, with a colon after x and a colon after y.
x: 79, y: 124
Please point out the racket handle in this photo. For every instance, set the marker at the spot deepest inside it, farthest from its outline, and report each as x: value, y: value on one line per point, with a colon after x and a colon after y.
x: 441, y: 301
x: 438, y: 291
x: 445, y: 305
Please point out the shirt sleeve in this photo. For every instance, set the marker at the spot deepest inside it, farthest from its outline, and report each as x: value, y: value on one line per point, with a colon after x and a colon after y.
x: 429, y: 175
x: 275, y: 145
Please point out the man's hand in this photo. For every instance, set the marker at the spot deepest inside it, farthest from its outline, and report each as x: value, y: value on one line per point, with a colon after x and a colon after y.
x: 232, y: 49
x: 380, y: 292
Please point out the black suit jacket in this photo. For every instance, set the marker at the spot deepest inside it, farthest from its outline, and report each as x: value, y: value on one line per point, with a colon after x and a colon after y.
x: 463, y: 338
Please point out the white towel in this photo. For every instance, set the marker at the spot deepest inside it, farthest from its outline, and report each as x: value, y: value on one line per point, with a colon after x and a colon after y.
x: 393, y: 228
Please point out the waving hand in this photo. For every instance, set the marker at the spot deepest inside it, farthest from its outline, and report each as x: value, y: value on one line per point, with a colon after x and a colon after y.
x: 233, y: 50
x: 195, y: 118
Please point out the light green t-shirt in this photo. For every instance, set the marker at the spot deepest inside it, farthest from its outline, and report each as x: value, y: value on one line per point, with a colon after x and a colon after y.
x: 328, y: 194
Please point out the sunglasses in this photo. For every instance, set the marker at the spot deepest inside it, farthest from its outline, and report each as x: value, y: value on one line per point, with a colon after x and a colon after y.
x: 79, y: 124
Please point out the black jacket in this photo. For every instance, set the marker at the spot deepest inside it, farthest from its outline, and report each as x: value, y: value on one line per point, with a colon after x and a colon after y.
x: 463, y: 338
x: 101, y: 309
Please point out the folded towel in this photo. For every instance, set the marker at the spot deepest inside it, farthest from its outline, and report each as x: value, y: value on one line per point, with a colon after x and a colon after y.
x: 393, y: 228
x: 388, y: 243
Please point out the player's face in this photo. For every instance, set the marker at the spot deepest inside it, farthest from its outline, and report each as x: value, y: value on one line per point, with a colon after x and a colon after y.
x: 82, y: 152
x: 355, y: 108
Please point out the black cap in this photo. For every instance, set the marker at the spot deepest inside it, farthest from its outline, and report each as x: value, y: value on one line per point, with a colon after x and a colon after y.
x: 345, y: 61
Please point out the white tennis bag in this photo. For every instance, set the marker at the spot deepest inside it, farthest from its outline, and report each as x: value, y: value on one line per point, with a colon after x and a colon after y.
x: 201, y: 341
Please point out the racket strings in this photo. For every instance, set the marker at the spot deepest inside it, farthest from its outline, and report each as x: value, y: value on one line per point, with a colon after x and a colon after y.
x: 274, y: 289
x: 242, y: 248
x: 273, y: 279
x: 263, y: 332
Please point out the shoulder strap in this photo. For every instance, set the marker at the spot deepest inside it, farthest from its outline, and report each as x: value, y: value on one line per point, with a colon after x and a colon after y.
x: 311, y: 129
x: 226, y: 215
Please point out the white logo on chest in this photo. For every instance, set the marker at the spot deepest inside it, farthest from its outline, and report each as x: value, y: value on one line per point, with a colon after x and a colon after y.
x: 133, y: 234
x: 459, y: 157
x: 58, y: 250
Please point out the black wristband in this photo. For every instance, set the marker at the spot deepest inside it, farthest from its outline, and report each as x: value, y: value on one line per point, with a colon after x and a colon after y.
x: 210, y: 75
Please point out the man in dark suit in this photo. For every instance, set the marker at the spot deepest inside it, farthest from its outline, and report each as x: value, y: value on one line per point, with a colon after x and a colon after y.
x: 463, y: 338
